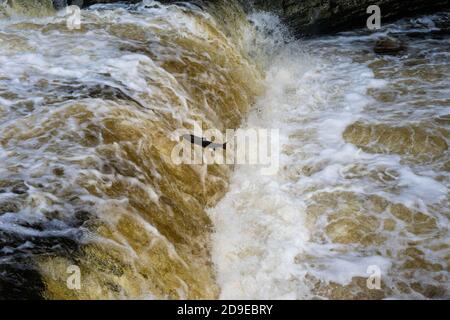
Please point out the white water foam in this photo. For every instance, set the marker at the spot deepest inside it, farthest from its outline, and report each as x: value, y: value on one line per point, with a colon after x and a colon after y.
x: 262, y: 246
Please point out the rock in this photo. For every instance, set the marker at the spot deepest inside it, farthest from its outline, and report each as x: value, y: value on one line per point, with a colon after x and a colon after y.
x: 389, y: 45
x: 309, y: 17
x: 91, y: 2
x: 442, y: 32
x: 79, y: 3
x: 59, y: 4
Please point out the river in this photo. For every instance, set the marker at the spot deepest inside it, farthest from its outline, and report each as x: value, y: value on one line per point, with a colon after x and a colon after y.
x: 87, y: 124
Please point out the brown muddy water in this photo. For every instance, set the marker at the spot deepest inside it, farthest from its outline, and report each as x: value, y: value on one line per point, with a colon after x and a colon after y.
x: 87, y: 123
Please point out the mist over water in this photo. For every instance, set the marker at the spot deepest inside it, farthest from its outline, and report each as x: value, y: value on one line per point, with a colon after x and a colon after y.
x: 87, y: 123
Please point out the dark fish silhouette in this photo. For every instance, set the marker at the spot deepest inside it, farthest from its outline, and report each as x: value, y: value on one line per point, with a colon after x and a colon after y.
x: 203, y: 142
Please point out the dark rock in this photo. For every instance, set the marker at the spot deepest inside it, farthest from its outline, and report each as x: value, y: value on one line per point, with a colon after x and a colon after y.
x: 309, y: 17
x: 441, y: 32
x: 20, y: 188
x: 21, y: 282
x: 79, y: 3
x: 8, y: 206
x: 59, y: 4
x: 91, y: 2
x: 389, y: 45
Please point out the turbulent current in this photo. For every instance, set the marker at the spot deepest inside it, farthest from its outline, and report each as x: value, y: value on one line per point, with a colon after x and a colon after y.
x: 87, y: 124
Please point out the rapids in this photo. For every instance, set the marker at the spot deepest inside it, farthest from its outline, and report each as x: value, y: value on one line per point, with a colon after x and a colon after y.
x: 362, y: 188
x: 87, y: 124
x: 86, y: 129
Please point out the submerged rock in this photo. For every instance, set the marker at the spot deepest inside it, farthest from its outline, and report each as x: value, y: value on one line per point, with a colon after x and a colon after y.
x: 389, y: 45
x: 418, y: 141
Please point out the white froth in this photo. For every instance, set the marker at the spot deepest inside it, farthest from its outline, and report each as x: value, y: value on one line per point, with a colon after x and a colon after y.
x: 262, y: 246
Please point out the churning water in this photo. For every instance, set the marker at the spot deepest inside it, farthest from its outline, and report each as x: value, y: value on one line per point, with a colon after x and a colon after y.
x: 86, y: 131
x: 363, y: 184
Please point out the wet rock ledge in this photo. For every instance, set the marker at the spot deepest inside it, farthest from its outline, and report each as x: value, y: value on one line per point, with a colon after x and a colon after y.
x: 309, y: 17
